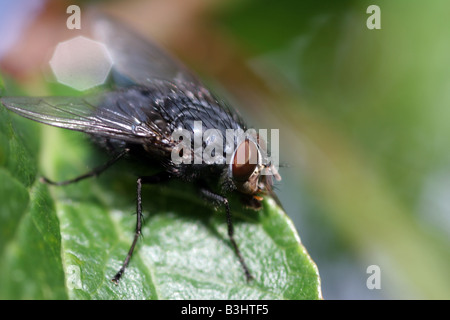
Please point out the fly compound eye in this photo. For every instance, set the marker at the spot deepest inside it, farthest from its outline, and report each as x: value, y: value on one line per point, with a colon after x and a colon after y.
x: 245, y: 160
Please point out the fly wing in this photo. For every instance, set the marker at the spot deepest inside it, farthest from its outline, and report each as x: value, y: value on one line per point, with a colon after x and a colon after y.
x: 126, y: 113
x: 145, y: 63
x: 138, y: 58
x: 117, y: 115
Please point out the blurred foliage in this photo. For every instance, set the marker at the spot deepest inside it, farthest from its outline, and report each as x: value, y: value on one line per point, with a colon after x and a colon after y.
x: 369, y: 109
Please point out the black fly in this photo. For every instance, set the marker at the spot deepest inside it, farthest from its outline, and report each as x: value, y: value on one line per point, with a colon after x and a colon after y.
x: 139, y: 117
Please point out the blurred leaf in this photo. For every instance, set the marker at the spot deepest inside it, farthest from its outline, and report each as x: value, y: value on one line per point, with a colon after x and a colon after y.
x: 263, y: 25
x: 68, y: 242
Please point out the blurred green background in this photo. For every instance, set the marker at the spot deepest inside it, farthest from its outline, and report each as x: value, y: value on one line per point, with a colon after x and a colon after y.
x: 362, y: 116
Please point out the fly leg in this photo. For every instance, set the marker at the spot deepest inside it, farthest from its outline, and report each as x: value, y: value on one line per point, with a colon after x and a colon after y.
x: 159, y: 177
x: 224, y: 201
x: 92, y: 173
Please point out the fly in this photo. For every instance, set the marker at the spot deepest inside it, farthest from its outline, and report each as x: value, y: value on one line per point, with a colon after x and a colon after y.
x: 138, y: 118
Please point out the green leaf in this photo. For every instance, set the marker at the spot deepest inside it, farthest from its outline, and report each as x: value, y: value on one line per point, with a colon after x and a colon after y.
x: 68, y: 242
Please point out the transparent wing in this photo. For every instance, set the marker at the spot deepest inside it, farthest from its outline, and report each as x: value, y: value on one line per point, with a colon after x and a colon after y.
x: 138, y: 58
x: 126, y: 114
x: 115, y: 115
